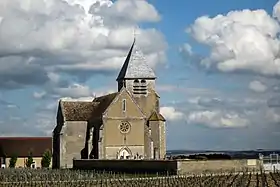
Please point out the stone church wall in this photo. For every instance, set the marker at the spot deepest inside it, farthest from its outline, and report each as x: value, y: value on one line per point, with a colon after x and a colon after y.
x: 111, y: 151
x: 73, y: 141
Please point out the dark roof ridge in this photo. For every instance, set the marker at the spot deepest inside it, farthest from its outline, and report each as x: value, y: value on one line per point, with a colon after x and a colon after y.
x: 103, y: 96
x: 75, y: 100
x: 126, y: 62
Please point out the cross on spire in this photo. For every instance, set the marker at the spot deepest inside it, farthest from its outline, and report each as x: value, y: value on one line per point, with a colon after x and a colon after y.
x: 135, y: 32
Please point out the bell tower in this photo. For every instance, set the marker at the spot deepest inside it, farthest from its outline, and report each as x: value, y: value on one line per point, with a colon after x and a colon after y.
x: 135, y: 73
x: 140, y: 81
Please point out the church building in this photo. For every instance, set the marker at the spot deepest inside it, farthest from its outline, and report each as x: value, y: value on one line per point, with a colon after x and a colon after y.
x: 126, y: 124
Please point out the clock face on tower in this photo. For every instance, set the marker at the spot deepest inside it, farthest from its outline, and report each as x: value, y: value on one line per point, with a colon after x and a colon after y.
x: 124, y: 127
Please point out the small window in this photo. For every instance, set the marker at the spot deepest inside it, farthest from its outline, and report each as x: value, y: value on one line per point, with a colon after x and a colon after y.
x: 123, y: 105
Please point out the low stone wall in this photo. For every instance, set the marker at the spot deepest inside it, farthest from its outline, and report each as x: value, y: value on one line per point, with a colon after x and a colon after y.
x: 192, y: 166
x: 128, y: 166
x: 168, y: 166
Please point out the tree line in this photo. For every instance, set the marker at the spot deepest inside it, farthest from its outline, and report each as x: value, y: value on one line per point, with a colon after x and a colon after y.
x: 45, y: 161
x: 214, y: 156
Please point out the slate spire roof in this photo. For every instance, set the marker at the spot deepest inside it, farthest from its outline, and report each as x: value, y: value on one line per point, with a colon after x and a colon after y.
x: 135, y: 65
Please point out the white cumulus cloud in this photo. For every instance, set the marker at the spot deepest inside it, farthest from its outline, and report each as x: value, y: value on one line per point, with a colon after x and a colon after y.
x: 77, y: 37
x: 75, y: 90
x: 217, y: 119
x: 257, y: 86
x: 240, y: 41
x: 170, y: 113
x: 131, y: 10
x: 39, y: 95
x: 272, y: 115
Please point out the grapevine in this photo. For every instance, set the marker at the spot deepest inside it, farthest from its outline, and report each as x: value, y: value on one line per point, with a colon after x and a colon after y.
x: 73, y: 178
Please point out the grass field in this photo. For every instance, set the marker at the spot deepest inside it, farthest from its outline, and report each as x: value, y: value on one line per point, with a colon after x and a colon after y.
x: 72, y: 178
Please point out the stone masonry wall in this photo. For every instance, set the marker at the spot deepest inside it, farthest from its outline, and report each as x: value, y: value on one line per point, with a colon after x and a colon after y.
x: 172, y: 166
x: 191, y: 166
x: 72, y: 142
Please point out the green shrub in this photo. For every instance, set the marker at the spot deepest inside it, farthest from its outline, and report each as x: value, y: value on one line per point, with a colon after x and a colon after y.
x: 46, y: 160
x: 13, y: 161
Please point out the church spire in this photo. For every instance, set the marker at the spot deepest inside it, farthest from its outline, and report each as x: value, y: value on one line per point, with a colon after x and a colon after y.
x: 135, y: 65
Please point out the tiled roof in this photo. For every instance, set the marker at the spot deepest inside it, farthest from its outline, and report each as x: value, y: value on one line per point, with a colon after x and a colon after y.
x: 104, y: 102
x: 21, y: 146
x: 135, y: 65
x: 83, y: 111
x: 77, y: 110
x: 155, y: 116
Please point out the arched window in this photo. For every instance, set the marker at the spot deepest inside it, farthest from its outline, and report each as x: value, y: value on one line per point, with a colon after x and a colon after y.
x: 143, y: 81
x: 136, y: 82
x: 136, y: 86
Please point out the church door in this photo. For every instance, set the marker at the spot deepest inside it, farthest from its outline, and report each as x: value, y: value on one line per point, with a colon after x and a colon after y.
x: 124, y: 154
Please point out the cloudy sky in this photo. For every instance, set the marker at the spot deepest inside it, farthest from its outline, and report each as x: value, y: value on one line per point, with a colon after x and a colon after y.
x: 217, y: 62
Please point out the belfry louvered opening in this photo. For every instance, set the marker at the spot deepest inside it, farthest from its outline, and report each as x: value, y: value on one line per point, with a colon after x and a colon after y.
x: 140, y: 87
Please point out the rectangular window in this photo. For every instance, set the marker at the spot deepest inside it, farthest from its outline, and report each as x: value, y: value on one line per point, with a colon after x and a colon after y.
x: 123, y: 105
